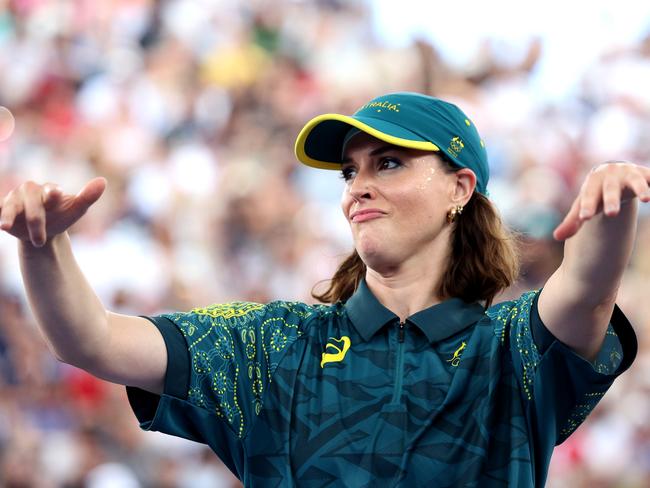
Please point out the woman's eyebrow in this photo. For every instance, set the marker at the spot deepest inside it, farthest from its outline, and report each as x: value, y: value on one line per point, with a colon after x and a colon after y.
x: 374, y: 152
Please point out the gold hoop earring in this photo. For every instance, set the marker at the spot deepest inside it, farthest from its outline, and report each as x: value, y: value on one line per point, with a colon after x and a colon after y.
x: 453, y: 213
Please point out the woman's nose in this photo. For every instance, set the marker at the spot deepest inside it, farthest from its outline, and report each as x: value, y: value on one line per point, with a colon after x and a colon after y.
x: 361, y: 187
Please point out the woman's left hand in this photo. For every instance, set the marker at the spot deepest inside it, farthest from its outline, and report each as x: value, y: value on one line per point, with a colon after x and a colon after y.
x: 604, y: 190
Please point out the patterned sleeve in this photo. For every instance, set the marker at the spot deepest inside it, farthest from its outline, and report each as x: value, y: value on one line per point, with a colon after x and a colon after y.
x: 559, y: 387
x: 220, y: 362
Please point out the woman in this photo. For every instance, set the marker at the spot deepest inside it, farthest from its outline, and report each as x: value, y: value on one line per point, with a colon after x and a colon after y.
x: 411, y: 376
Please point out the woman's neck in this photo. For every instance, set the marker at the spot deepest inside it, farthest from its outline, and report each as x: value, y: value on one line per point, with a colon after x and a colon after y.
x: 407, y: 291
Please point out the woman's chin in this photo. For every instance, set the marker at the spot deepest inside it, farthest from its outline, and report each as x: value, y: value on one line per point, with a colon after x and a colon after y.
x: 375, y: 256
x: 368, y: 248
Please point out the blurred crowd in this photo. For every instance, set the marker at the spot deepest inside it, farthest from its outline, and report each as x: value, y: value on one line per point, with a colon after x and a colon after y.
x: 190, y: 109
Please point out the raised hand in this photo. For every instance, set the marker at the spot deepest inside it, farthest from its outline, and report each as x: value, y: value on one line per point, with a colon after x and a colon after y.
x: 604, y: 189
x: 35, y: 213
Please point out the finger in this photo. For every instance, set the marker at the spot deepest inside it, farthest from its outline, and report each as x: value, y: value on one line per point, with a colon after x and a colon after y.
x: 590, y: 197
x: 641, y: 185
x: 51, y: 195
x: 635, y: 186
x: 12, y: 206
x: 645, y: 196
x: 34, y: 213
x: 645, y: 171
x: 611, y: 195
x: 90, y: 193
x: 571, y: 223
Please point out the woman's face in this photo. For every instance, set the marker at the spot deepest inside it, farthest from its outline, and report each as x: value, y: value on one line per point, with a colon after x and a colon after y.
x: 396, y: 201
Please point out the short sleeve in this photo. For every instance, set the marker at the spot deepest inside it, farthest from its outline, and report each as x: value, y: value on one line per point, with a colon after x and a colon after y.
x: 221, y: 360
x: 559, y: 387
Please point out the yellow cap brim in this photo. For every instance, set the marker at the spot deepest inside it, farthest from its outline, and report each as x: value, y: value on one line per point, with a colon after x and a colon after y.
x: 381, y: 131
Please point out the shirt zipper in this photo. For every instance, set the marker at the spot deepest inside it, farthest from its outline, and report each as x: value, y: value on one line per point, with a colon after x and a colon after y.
x: 399, y: 369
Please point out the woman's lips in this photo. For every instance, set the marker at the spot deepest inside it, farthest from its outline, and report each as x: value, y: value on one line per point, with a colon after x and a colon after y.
x: 364, y: 215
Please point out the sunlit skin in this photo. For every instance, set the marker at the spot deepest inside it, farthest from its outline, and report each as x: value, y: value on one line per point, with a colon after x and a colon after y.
x: 401, y: 234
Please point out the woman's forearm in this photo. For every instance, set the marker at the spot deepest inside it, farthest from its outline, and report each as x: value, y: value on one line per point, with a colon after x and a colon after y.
x: 79, y: 330
x: 67, y: 310
x: 596, y: 257
x: 577, y: 300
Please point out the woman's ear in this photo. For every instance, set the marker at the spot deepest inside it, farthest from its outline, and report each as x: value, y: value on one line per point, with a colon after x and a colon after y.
x: 465, y: 184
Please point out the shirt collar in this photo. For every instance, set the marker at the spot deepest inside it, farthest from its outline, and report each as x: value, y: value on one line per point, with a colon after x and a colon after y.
x: 437, y: 322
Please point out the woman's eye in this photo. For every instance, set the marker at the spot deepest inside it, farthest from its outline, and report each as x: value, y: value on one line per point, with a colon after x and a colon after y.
x: 389, y: 163
x: 348, y: 173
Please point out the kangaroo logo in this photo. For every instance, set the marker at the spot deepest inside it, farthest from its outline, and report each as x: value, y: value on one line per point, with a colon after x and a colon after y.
x: 455, y: 359
x: 456, y: 145
x: 335, y: 357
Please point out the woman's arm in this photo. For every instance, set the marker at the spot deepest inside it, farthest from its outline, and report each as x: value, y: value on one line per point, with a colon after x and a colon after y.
x: 577, y: 301
x: 75, y: 324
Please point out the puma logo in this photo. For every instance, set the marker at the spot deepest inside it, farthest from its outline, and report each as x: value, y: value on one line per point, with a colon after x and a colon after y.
x: 335, y: 357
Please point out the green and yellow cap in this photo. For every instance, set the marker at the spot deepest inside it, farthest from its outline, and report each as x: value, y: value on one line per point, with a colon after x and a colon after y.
x: 404, y: 119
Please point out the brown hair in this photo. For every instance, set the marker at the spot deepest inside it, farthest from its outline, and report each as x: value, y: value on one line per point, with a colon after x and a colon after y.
x: 483, y: 258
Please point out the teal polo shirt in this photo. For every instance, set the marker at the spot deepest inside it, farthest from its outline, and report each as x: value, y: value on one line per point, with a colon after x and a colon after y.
x: 289, y: 394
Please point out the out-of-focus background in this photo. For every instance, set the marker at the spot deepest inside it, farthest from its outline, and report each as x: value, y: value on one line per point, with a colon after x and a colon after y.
x: 190, y: 109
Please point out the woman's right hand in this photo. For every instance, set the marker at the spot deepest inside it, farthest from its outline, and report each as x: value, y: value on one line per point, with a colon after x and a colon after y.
x: 35, y: 213
x: 120, y: 348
